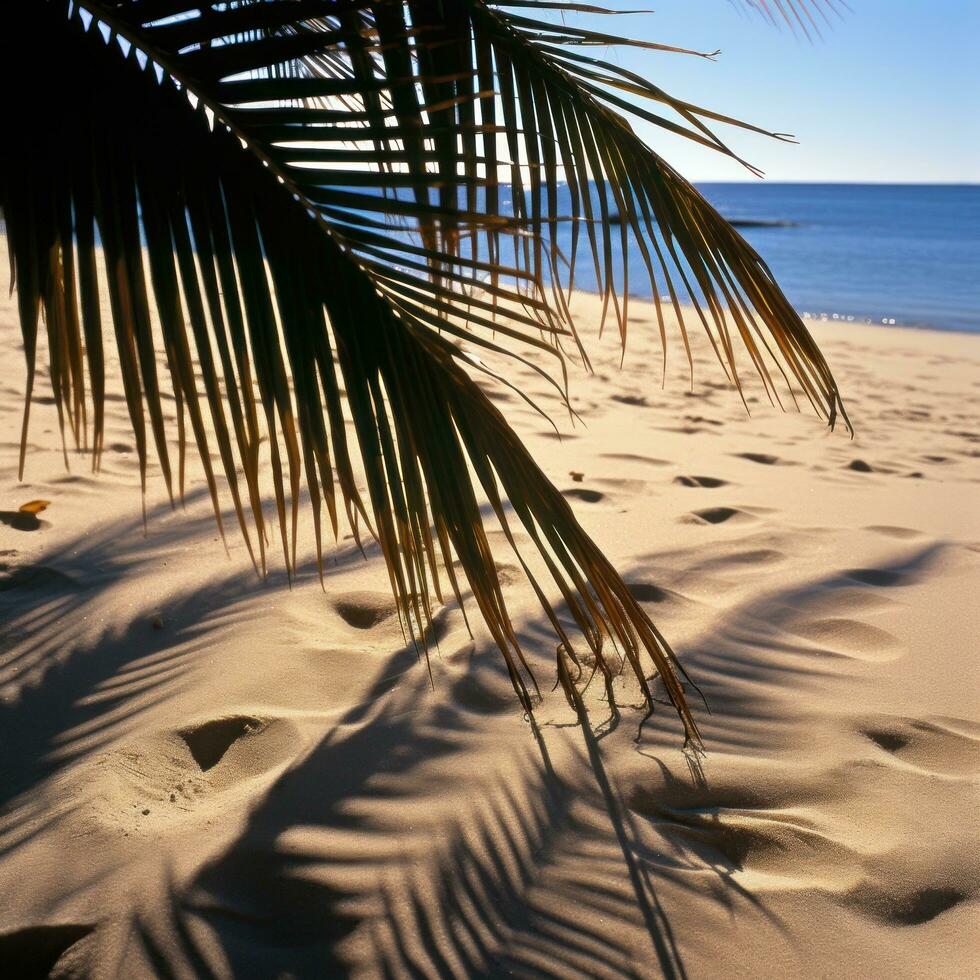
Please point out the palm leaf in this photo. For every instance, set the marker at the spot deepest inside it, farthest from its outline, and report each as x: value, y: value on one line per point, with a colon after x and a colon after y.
x: 426, y: 96
x: 798, y: 15
x: 316, y: 186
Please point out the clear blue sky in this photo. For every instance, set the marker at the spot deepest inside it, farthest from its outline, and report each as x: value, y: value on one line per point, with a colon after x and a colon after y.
x: 889, y: 93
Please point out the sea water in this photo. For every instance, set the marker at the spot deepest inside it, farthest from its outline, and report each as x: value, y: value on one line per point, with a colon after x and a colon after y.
x: 888, y: 254
x: 871, y: 253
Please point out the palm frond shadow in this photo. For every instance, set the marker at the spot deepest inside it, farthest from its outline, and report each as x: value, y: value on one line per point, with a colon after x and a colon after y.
x: 39, y: 600
x: 519, y: 882
x: 72, y: 688
x: 745, y: 663
x: 516, y: 887
x: 88, y: 702
x: 255, y: 886
x: 513, y: 893
x: 511, y: 888
x: 753, y: 653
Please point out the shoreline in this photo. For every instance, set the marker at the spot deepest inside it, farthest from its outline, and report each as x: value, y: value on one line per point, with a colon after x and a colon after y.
x: 844, y: 319
x: 892, y: 324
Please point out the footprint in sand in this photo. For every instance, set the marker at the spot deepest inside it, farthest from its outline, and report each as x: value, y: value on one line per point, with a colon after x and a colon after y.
x: 648, y: 592
x: 36, y: 950
x: 880, y: 577
x: 736, y: 828
x: 583, y: 493
x: 478, y: 694
x: 507, y: 574
x: 859, y: 466
x: 76, y: 480
x: 365, y: 610
x: 764, y: 459
x: 717, y: 515
x: 687, y: 430
x: 927, y: 745
x: 708, y: 482
x: 152, y: 782
x: 830, y: 602
x: 633, y: 458
x: 761, y: 842
x: 850, y: 638
x: 234, y: 747
x: 753, y: 556
x: 208, y: 742
x: 913, y: 907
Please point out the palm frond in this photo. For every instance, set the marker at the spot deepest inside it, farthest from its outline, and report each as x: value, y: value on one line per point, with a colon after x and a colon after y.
x: 312, y: 191
x: 471, y: 123
x: 804, y: 16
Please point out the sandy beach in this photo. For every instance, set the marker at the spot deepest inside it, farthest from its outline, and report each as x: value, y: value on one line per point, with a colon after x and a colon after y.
x: 206, y: 774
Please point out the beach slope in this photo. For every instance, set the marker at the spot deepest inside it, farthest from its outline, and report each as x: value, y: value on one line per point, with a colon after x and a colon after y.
x: 205, y: 774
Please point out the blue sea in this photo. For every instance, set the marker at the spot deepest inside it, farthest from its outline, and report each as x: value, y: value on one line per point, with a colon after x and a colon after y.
x: 889, y: 254
x: 874, y: 253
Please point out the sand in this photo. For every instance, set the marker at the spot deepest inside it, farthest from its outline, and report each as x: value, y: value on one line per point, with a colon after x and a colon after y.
x: 204, y: 774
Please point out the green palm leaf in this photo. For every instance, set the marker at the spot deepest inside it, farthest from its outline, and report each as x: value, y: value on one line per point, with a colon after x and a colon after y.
x: 311, y: 192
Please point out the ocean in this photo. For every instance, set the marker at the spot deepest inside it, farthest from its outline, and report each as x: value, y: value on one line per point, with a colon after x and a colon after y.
x: 888, y: 254
x: 872, y: 253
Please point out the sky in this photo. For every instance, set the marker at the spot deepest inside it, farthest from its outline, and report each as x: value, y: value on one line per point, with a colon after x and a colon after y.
x: 889, y: 93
